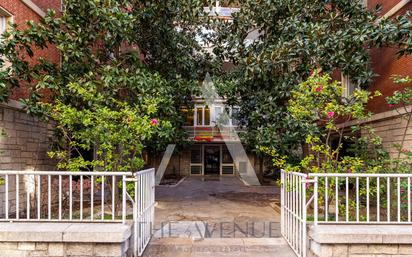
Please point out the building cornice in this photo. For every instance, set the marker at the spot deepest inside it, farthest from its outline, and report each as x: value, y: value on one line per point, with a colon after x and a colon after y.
x: 12, y: 104
x: 34, y: 8
x: 396, y: 8
x: 378, y: 117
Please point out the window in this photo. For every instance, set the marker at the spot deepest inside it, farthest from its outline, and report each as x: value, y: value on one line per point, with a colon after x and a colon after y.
x: 196, y: 170
x: 228, y: 167
x: 189, y: 116
x: 199, y: 116
x: 348, y: 86
x: 202, y: 116
x: 3, y: 24
x: 205, y: 116
x: 228, y: 170
x: 226, y: 156
x: 226, y: 116
x: 235, y: 116
x: 218, y: 113
x: 196, y: 164
x: 206, y: 121
x: 220, y: 117
x: 196, y: 154
x: 5, y: 18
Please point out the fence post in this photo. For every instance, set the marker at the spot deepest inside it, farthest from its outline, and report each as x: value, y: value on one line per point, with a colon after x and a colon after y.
x: 124, y: 207
x: 304, y: 220
x: 136, y: 214
x: 315, y: 205
x: 282, y: 201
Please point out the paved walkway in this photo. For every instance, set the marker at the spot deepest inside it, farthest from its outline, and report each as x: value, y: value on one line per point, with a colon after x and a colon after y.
x: 219, y: 217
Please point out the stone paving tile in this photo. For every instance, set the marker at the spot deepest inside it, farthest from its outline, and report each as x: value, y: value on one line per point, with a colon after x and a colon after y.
x: 232, y: 214
x: 213, y: 202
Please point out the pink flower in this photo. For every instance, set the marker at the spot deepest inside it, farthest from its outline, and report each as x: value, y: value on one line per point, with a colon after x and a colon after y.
x: 312, y: 73
x: 391, y: 105
x: 410, y: 99
x: 331, y: 114
x: 142, y: 57
x: 349, y: 171
x: 154, y: 122
x: 319, y: 89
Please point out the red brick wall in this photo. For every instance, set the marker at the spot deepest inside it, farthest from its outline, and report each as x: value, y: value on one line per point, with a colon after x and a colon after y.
x: 22, y: 13
x: 385, y: 4
x: 48, y: 4
x: 385, y: 63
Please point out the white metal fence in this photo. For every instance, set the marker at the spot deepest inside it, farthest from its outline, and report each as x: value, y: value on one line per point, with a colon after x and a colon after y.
x: 337, y: 198
x: 293, y: 211
x: 361, y: 198
x: 61, y: 196
x: 144, y: 208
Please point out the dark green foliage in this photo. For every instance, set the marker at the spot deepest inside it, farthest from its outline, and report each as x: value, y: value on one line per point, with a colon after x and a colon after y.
x: 294, y: 37
x: 123, y: 63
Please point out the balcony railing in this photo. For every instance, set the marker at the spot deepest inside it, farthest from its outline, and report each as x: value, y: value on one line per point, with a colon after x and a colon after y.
x: 212, y: 134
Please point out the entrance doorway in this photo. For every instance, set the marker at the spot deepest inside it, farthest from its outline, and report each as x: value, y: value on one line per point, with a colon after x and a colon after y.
x: 212, y: 160
x: 206, y: 159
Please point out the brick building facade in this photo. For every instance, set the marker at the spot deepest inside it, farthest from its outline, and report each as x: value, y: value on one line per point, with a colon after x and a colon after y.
x: 385, y: 63
x: 25, y: 145
x: 21, y: 11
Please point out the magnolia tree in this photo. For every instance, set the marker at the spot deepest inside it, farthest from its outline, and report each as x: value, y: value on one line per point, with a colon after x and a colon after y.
x: 126, y: 68
x: 115, y: 127
x: 275, y: 45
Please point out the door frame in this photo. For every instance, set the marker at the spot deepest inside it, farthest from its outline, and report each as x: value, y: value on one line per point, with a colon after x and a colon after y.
x: 226, y: 164
x: 201, y: 164
x: 220, y: 157
x: 221, y: 164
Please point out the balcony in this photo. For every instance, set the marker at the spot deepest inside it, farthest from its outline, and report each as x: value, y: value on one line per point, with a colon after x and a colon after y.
x: 212, y: 134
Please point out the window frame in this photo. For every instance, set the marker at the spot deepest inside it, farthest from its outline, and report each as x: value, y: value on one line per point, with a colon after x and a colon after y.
x: 7, y: 17
x: 223, y: 108
x: 204, y: 122
x: 348, y: 86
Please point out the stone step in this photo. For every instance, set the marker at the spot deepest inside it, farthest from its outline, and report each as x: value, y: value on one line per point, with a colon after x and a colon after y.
x: 200, y: 229
x: 218, y: 247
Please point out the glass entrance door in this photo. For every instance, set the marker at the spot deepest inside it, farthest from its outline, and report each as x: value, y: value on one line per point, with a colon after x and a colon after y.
x: 212, y: 160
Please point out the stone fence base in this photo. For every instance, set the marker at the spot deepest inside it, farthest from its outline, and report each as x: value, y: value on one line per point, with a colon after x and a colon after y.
x: 65, y: 240
x: 360, y: 241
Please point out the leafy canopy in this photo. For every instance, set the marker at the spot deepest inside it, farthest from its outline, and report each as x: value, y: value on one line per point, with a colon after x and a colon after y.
x: 126, y: 68
x: 276, y: 44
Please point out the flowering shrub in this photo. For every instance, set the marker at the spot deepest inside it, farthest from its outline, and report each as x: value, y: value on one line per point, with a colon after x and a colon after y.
x: 319, y: 103
x: 402, y: 100
x: 102, y: 120
x: 154, y: 122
